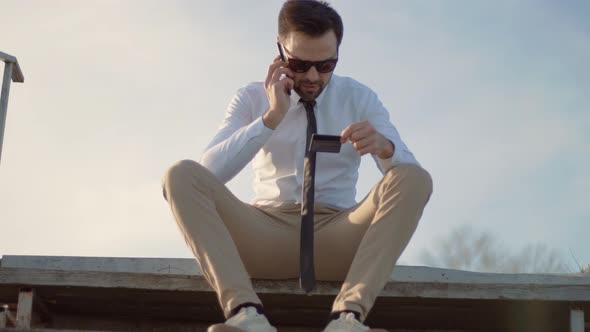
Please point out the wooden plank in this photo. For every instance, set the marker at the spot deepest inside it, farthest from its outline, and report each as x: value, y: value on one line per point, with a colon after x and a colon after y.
x: 24, y: 311
x: 17, y: 74
x: 576, y: 320
x: 177, y: 266
x: 573, y: 291
x: 188, y: 266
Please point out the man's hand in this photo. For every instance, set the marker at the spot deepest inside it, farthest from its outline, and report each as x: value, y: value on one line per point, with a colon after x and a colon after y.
x: 365, y: 139
x: 277, y: 92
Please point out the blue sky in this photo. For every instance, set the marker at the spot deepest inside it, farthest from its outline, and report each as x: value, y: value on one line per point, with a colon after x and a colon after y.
x: 492, y: 97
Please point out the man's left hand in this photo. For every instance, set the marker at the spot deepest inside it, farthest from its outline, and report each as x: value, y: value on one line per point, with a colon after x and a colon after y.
x: 365, y: 139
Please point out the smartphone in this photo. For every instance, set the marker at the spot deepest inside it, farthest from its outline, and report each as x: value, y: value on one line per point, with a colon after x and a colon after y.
x: 325, y: 143
x: 282, y: 59
x: 281, y: 52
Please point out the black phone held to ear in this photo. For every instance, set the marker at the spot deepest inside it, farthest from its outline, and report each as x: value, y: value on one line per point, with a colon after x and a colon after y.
x: 282, y: 59
x: 281, y: 52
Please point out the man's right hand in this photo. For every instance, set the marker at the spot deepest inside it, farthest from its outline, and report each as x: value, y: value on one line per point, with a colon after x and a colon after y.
x: 277, y: 92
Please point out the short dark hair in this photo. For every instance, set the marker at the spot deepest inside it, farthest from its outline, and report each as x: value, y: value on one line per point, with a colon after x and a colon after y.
x: 311, y: 17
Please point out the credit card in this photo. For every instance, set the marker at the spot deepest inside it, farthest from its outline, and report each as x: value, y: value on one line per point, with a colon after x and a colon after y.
x: 325, y: 143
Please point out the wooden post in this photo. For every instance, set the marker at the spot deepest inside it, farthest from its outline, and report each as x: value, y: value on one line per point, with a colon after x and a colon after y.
x: 10, y: 318
x: 24, y: 310
x: 576, y: 320
x: 3, y: 318
x: 4, y: 100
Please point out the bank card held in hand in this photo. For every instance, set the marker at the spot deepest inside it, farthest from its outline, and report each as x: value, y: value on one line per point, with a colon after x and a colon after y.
x: 325, y: 143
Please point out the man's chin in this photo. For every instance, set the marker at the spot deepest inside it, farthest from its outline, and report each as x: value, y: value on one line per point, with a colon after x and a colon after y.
x: 308, y: 95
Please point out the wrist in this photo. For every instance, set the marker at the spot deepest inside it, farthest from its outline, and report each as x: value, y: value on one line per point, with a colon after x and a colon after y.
x: 272, y: 118
x: 388, y: 149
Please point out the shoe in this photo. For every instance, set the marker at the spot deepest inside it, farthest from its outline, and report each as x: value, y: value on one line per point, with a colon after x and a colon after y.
x: 346, y: 323
x: 249, y: 320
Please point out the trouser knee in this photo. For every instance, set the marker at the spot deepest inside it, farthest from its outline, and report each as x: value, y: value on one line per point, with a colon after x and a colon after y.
x: 181, y: 174
x: 409, y: 179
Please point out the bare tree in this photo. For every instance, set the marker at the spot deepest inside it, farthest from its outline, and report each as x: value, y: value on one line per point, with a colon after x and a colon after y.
x: 466, y: 249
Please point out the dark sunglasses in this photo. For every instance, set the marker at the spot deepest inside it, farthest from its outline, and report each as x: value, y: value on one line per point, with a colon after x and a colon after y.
x: 302, y: 66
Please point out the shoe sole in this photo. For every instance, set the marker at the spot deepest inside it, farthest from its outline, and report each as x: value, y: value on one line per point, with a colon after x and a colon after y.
x: 223, y: 328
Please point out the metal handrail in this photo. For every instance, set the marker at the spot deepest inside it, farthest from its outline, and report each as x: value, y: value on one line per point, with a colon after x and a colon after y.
x: 12, y: 72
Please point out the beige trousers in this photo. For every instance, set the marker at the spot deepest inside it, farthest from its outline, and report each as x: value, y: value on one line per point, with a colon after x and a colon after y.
x: 234, y: 241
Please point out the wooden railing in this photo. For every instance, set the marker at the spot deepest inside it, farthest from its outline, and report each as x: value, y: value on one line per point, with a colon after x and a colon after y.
x: 12, y: 72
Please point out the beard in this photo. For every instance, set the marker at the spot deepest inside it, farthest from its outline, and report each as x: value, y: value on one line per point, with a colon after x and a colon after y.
x: 309, y: 95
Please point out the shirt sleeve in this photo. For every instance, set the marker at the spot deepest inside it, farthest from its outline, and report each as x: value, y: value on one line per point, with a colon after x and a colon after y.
x: 378, y: 116
x: 238, y: 139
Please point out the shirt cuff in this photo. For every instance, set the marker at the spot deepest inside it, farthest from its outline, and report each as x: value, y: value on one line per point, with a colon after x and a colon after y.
x: 387, y: 163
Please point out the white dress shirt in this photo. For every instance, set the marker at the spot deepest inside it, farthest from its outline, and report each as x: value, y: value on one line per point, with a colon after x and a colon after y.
x: 278, y: 154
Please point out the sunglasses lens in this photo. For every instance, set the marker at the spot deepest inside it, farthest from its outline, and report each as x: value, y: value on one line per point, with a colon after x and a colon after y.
x: 326, y: 66
x: 299, y: 66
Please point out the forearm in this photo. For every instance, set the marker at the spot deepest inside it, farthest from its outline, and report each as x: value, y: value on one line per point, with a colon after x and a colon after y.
x: 272, y: 118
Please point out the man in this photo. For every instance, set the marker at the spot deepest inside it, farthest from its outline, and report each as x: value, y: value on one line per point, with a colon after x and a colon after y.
x: 265, y: 123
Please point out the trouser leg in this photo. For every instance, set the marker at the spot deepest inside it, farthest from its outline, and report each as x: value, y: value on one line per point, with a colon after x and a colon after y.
x: 367, y: 239
x: 231, y: 240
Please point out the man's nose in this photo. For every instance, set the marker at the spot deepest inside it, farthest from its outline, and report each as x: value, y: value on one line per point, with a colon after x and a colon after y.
x: 312, y: 74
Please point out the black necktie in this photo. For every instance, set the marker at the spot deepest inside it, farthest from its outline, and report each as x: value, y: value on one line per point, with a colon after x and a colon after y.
x: 306, y: 265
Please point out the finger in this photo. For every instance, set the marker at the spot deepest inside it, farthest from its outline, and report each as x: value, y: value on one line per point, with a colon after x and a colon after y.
x: 283, y: 85
x: 276, y: 76
x: 364, y: 143
x: 358, y: 130
x: 345, y: 134
x: 366, y: 147
x: 271, y: 69
x: 362, y: 132
x: 286, y: 83
x: 364, y: 151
